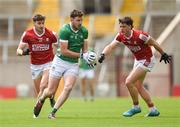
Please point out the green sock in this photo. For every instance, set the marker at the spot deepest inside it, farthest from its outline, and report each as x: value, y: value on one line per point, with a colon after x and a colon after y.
x: 54, y: 110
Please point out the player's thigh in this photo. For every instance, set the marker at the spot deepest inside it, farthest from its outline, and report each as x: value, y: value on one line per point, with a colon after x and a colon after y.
x: 136, y: 74
x: 69, y: 80
x: 71, y: 74
x: 58, y: 68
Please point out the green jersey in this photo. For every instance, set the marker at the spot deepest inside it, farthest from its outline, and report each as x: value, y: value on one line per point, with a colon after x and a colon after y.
x: 75, y: 40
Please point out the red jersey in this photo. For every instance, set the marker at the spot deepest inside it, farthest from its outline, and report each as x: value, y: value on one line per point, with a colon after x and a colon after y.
x: 137, y: 44
x: 40, y: 46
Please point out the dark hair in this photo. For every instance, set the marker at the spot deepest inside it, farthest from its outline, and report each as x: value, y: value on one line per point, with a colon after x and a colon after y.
x: 126, y: 20
x: 38, y: 17
x: 76, y: 13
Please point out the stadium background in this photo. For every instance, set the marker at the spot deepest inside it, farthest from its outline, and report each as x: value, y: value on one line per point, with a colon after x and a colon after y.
x: 160, y: 18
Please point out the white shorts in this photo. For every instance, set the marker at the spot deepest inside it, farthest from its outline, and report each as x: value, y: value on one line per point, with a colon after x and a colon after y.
x: 37, y: 70
x: 61, y: 68
x: 86, y: 73
x: 147, y: 65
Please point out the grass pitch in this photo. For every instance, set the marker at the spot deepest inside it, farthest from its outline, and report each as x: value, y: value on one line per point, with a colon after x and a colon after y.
x: 103, y: 112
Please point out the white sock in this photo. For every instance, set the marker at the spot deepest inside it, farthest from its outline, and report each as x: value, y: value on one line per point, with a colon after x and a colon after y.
x: 152, y: 109
x: 136, y: 106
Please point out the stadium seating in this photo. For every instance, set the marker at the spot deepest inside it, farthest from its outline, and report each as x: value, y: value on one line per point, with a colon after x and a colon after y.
x: 104, y: 24
x: 136, y: 8
x: 14, y: 7
x: 51, y: 10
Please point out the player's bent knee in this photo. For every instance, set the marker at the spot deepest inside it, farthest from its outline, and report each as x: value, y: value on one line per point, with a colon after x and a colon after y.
x: 128, y: 83
x: 43, y: 87
x: 68, y: 88
x: 48, y: 92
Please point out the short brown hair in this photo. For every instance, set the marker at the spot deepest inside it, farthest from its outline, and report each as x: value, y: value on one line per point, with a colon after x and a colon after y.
x: 76, y: 13
x: 126, y: 20
x: 38, y: 17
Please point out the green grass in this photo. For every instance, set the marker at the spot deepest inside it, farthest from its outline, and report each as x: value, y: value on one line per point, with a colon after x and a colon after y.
x: 103, y: 112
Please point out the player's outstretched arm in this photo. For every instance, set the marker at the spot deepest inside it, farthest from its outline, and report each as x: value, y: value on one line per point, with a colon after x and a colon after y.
x: 107, y: 50
x: 164, y: 56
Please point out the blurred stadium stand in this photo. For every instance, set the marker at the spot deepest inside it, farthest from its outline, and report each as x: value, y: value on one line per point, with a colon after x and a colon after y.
x: 101, y: 18
x: 51, y: 9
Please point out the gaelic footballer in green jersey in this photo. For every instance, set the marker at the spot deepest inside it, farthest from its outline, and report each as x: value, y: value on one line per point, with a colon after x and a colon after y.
x: 72, y: 40
x: 75, y: 40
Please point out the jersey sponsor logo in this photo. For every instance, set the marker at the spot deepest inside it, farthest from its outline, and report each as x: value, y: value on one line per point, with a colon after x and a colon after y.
x: 40, y: 47
x: 134, y: 48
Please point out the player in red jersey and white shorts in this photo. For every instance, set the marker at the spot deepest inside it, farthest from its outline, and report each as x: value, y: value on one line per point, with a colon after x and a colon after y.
x: 140, y: 44
x: 37, y: 42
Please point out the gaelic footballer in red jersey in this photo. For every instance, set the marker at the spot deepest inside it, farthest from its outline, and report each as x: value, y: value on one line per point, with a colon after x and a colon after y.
x: 140, y: 44
x: 37, y: 42
x: 136, y: 43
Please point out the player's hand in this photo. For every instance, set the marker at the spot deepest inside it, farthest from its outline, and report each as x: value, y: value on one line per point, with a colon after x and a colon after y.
x: 101, y: 58
x: 25, y: 52
x: 89, y: 57
x: 85, y: 57
x: 165, y: 57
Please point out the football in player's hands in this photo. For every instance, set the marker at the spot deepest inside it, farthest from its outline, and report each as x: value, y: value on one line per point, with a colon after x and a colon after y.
x: 92, y: 57
x: 89, y: 57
